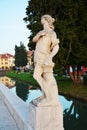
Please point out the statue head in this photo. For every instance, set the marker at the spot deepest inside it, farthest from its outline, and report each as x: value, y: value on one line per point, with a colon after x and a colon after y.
x: 47, y: 18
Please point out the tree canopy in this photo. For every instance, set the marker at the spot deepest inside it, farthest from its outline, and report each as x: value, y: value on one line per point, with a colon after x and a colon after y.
x: 20, y: 55
x: 70, y: 26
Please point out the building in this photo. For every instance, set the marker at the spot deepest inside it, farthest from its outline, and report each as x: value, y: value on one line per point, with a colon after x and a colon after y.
x: 30, y: 57
x: 6, y: 61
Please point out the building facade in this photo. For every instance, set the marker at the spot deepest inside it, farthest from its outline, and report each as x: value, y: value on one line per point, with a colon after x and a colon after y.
x: 6, y: 61
x: 30, y: 57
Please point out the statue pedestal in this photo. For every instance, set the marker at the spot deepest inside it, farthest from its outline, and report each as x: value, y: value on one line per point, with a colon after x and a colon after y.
x: 45, y: 118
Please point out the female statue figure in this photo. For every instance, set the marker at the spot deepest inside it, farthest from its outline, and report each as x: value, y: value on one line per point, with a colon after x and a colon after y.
x: 47, y: 45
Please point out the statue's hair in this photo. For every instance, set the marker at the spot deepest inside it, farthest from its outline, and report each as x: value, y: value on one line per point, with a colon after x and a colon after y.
x: 49, y: 19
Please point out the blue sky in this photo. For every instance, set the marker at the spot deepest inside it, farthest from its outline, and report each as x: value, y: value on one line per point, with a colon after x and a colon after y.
x: 12, y: 27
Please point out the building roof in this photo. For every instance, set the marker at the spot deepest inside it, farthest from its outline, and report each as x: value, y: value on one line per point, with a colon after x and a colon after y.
x: 6, y: 55
x: 29, y: 53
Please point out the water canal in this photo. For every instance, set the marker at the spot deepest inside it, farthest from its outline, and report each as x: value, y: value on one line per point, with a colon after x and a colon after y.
x: 74, y: 111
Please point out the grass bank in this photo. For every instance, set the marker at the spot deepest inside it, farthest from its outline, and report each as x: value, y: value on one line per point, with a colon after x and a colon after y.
x: 65, y: 85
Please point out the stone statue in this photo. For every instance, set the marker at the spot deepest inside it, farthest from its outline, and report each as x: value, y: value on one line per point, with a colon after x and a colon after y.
x: 47, y: 45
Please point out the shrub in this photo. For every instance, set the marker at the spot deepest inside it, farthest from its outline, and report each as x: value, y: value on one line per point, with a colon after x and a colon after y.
x: 85, y: 79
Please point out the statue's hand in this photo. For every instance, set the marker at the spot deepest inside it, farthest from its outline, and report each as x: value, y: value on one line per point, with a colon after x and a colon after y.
x: 48, y: 61
x: 39, y: 35
x: 43, y: 33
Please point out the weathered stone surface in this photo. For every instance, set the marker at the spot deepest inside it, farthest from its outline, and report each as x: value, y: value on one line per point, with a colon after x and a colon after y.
x: 46, y: 112
x: 45, y: 118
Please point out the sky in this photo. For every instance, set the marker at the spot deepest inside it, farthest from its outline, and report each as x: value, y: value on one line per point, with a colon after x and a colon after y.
x: 13, y: 28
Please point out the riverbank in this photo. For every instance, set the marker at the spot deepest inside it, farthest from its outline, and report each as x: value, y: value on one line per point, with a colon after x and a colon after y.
x: 65, y: 85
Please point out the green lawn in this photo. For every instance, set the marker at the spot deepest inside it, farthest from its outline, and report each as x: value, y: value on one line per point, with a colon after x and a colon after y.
x: 26, y: 77
x: 65, y: 85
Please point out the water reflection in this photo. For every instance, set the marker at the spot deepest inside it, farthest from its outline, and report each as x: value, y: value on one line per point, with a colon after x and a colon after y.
x: 75, y: 112
x: 22, y: 90
x: 7, y: 81
x: 75, y: 116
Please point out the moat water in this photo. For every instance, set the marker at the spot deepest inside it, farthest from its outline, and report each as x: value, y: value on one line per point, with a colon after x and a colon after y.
x: 74, y: 111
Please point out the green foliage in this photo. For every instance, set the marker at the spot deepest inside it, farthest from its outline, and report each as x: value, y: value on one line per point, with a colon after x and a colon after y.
x: 20, y: 55
x: 70, y: 26
x: 85, y: 79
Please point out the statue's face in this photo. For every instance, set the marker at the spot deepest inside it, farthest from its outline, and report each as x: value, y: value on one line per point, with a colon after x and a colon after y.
x: 43, y: 21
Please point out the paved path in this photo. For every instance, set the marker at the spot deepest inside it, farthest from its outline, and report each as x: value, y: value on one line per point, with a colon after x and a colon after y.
x: 6, y: 120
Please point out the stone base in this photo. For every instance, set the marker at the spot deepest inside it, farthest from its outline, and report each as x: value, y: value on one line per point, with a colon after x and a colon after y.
x: 45, y: 118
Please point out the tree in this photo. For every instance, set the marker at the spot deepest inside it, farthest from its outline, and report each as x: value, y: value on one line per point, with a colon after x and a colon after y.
x: 70, y: 26
x: 20, y: 55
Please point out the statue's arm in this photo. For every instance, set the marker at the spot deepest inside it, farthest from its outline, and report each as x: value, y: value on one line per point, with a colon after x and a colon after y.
x: 36, y: 38
x: 39, y: 35
x: 54, y: 46
x: 54, y: 50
